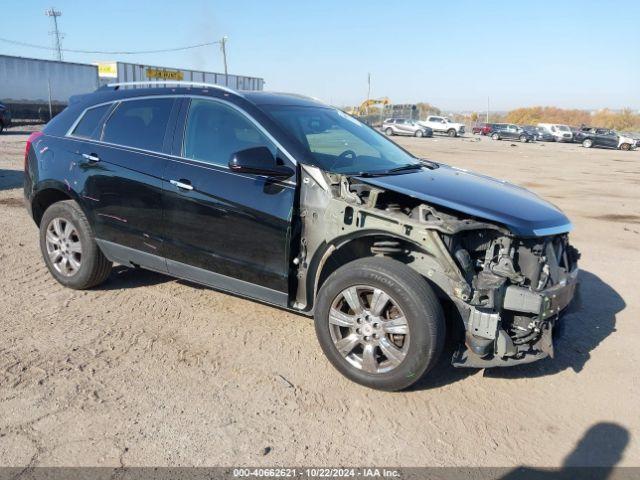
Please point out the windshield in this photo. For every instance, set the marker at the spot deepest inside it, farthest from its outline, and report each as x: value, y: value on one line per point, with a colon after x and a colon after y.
x: 563, y: 128
x: 340, y: 143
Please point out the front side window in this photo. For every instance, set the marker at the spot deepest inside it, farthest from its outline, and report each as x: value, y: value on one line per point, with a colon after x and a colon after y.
x: 88, y: 125
x: 139, y: 123
x: 337, y: 142
x: 214, y: 132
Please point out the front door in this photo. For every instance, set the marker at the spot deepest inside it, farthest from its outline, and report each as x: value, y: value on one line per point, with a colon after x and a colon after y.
x: 222, y: 228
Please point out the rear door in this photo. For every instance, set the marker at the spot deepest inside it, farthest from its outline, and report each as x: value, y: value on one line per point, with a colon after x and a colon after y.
x: 124, y: 186
x: 222, y: 228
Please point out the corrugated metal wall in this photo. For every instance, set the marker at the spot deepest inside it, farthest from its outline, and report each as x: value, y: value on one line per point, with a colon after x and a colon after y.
x: 129, y: 72
x: 27, y: 80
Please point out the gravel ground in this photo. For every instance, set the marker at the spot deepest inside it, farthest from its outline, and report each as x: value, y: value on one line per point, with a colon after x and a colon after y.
x: 148, y: 370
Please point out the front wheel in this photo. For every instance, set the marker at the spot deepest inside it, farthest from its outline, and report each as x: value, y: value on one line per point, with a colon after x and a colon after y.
x: 625, y: 147
x: 495, y: 136
x: 69, y: 248
x: 587, y: 143
x: 524, y: 139
x: 389, y: 131
x: 379, y: 323
x: 419, y: 134
x: 452, y: 132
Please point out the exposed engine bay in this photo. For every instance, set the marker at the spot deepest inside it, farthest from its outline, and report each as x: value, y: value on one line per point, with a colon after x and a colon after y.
x: 508, y: 291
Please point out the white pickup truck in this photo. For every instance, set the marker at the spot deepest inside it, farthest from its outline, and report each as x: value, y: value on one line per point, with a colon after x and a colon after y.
x: 443, y: 125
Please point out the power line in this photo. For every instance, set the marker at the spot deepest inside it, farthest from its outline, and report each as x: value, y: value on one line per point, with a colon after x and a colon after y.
x: 104, y: 52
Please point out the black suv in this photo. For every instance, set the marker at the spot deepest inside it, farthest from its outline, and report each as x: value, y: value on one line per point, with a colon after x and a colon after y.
x: 282, y: 199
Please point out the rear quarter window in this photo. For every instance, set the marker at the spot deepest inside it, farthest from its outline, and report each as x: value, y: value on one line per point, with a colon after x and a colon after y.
x: 139, y: 123
x: 89, y: 122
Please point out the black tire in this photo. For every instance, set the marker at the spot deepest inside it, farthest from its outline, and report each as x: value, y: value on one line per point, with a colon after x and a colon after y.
x: 452, y: 132
x: 587, y: 143
x: 389, y: 131
x: 625, y: 146
x: 419, y: 133
x: 1, y: 127
x: 413, y: 296
x: 495, y: 136
x: 94, y: 266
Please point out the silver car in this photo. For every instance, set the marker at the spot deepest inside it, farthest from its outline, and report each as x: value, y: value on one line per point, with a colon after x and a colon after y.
x: 402, y: 126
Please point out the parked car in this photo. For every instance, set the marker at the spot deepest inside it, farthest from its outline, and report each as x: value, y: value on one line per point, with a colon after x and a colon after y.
x: 539, y: 134
x: 511, y: 132
x: 604, y: 137
x: 402, y: 126
x: 483, y: 128
x: 443, y: 125
x: 5, y: 117
x: 562, y: 133
x: 288, y: 201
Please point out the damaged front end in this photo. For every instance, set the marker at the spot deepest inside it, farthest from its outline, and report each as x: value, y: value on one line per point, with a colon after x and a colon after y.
x: 508, y: 289
x: 520, y: 287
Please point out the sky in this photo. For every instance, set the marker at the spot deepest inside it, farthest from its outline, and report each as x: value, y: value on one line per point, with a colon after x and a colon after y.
x: 452, y: 54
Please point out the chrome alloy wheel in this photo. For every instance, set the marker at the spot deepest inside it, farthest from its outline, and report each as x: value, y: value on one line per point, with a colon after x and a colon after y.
x: 63, y: 246
x: 369, y: 329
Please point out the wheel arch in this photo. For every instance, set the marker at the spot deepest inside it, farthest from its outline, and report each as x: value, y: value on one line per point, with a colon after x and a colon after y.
x: 50, y: 193
x: 347, y: 248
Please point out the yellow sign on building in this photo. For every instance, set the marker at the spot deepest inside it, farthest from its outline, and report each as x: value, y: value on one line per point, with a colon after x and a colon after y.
x: 108, y: 69
x: 162, y: 74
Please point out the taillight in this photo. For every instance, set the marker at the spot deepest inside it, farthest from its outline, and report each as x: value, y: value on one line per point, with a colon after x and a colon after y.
x: 32, y: 138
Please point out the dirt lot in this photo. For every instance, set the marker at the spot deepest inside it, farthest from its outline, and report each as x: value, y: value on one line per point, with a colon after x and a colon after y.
x: 148, y: 370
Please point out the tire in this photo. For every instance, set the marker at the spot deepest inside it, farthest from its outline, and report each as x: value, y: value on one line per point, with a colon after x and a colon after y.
x: 83, y: 270
x: 419, y: 134
x: 1, y: 127
x: 587, y: 143
x: 419, y: 349
x: 495, y: 136
x: 452, y: 132
x: 524, y: 139
x: 625, y: 146
x: 389, y: 131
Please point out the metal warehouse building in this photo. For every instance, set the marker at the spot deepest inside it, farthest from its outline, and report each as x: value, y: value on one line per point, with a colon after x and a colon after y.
x: 130, y: 72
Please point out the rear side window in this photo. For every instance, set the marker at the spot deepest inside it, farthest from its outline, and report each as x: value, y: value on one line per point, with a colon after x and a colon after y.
x: 90, y: 121
x: 215, y: 131
x: 139, y: 123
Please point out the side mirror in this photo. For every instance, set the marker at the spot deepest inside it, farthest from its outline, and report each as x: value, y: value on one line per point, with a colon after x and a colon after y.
x: 259, y: 161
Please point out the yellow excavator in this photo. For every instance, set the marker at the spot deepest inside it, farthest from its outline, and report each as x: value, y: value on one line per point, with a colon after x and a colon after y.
x: 363, y: 109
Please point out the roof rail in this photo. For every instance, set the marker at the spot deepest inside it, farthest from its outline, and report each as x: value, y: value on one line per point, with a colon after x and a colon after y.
x: 175, y: 82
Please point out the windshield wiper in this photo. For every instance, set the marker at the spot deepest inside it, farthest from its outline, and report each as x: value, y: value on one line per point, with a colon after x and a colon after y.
x: 409, y: 166
x: 391, y: 171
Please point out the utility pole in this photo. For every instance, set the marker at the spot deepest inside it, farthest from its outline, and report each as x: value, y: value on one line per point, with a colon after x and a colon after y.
x: 487, y: 109
x: 223, y: 47
x: 368, y: 91
x: 57, y: 36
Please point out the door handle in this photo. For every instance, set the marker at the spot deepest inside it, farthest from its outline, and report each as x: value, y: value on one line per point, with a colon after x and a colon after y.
x: 92, y: 157
x: 182, y: 184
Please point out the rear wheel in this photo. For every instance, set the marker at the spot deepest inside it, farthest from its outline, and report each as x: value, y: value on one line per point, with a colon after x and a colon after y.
x: 625, y: 146
x: 379, y: 323
x: 1, y: 127
x: 419, y: 133
x: 495, y: 136
x: 69, y: 248
x: 452, y: 132
x: 587, y: 143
